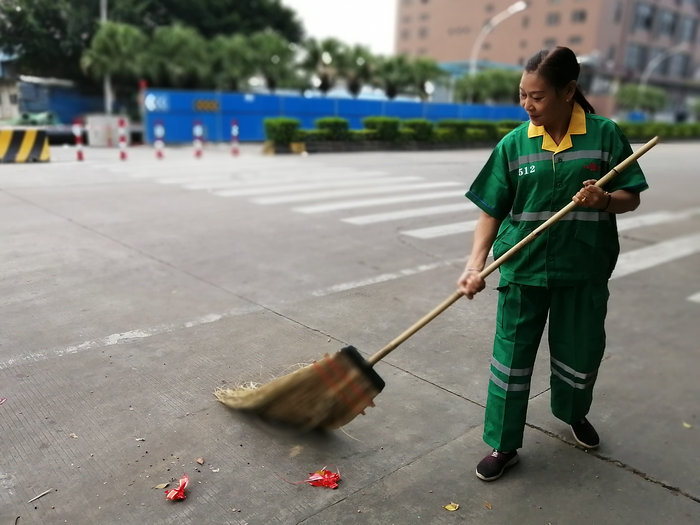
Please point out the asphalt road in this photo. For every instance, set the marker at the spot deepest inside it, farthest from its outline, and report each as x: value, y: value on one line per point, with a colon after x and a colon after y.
x: 130, y: 290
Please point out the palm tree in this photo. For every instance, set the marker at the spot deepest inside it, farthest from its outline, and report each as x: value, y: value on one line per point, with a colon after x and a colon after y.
x: 393, y: 75
x: 111, y: 56
x: 323, y: 61
x: 273, y: 57
x: 178, y: 57
x: 232, y: 61
x: 357, y: 68
x: 425, y: 71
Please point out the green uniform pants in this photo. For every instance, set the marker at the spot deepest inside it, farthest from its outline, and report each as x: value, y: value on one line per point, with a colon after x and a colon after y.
x: 576, y: 344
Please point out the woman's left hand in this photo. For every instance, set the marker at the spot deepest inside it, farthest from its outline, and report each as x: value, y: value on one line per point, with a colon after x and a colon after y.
x: 591, y: 196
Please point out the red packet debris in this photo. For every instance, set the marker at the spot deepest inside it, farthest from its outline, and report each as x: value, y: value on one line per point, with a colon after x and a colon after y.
x: 178, y: 493
x: 324, y: 478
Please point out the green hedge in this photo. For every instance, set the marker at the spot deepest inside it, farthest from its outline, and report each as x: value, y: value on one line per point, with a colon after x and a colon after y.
x: 282, y: 130
x: 387, y: 128
x: 421, y: 129
x: 336, y: 128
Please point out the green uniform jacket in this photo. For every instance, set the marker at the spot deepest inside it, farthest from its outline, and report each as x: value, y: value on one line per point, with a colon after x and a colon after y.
x: 528, y: 178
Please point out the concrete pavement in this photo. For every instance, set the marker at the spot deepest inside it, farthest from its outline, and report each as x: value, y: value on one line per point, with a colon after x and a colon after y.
x: 116, y: 332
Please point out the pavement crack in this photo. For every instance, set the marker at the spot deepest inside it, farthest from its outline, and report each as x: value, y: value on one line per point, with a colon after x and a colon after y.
x: 621, y: 464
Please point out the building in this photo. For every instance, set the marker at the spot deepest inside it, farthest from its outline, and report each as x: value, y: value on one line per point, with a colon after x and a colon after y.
x: 654, y: 42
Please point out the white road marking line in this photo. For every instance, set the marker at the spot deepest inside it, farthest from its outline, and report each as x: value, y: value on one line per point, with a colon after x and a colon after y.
x: 695, y: 298
x: 283, y: 188
x: 121, y: 338
x: 652, y: 219
x: 407, y: 272
x: 365, y: 203
x: 656, y: 254
x: 409, y: 213
x: 269, y: 178
x: 333, y: 194
x: 442, y: 230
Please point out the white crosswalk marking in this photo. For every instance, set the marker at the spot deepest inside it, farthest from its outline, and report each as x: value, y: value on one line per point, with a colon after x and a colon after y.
x: 652, y: 219
x: 365, y: 203
x: 441, y: 231
x: 250, y: 179
x: 353, y: 192
x: 410, y: 213
x: 695, y: 298
x: 288, y: 188
x: 656, y: 254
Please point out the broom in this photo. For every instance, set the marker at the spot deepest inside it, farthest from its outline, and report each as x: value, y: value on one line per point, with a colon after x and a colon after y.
x: 331, y: 392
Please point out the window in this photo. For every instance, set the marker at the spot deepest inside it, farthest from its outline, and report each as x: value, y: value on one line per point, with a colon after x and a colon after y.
x: 526, y: 21
x: 687, y: 30
x: 523, y: 44
x: 405, y: 34
x: 661, y: 67
x: 611, y: 53
x: 550, y: 43
x: 617, y: 17
x: 575, y: 40
x: 679, y: 66
x: 643, y: 17
x: 423, y: 32
x: 667, y: 23
x: 578, y: 16
x: 635, y: 57
x: 553, y: 19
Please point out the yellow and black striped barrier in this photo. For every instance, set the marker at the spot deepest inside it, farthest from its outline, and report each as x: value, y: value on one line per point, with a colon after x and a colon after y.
x: 24, y: 145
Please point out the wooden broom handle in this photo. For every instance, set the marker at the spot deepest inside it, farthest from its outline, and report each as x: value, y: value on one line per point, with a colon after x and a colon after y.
x: 506, y: 256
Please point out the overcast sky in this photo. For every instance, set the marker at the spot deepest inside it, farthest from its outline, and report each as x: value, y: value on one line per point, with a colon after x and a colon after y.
x: 368, y: 22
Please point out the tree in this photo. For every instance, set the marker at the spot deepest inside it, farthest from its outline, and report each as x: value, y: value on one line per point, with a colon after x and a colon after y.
x: 112, y: 51
x: 323, y: 61
x: 272, y: 57
x: 393, y: 74
x: 177, y: 57
x: 357, y: 68
x: 50, y: 36
x: 646, y: 98
x: 425, y: 71
x: 491, y: 85
x: 232, y: 61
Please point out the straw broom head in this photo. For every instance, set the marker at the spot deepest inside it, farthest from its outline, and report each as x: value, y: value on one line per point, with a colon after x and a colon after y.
x: 329, y: 393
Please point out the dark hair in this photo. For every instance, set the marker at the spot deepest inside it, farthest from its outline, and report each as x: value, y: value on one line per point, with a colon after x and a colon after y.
x: 559, y: 67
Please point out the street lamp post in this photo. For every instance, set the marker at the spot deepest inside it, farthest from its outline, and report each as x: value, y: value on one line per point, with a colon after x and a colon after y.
x: 106, y: 81
x: 511, y: 10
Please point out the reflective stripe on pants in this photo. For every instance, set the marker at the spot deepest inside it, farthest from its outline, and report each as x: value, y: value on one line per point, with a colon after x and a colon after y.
x: 576, y: 341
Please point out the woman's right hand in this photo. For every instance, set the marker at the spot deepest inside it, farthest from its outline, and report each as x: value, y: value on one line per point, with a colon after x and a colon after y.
x: 470, y: 282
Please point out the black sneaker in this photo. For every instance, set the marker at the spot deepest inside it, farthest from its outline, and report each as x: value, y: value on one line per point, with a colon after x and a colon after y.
x: 493, y: 465
x: 585, y: 435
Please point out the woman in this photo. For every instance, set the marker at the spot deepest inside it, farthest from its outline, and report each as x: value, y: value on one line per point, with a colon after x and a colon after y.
x: 536, y: 170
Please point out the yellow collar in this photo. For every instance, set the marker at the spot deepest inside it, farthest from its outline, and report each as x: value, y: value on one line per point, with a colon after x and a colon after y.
x: 577, y: 126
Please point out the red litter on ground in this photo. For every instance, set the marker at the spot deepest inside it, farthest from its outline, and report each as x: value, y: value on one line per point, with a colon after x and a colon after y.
x: 178, y: 493
x: 323, y: 478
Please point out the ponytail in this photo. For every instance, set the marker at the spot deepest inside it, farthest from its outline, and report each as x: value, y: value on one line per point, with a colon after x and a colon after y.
x: 583, y: 101
x: 559, y: 67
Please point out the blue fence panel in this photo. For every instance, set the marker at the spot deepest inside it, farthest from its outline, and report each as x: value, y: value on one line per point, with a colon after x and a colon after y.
x: 178, y: 111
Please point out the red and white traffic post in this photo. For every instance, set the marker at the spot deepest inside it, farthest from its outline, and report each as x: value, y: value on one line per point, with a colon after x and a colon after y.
x: 159, y: 142
x: 234, y: 138
x: 122, y: 139
x: 198, y: 133
x: 78, y: 134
